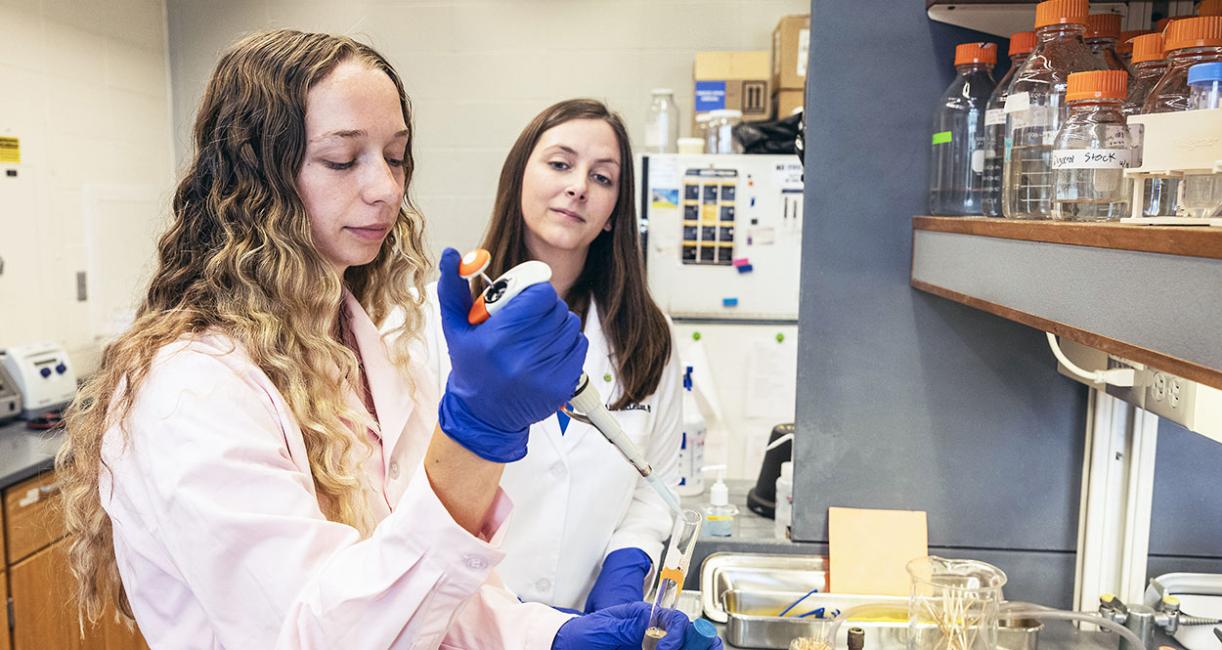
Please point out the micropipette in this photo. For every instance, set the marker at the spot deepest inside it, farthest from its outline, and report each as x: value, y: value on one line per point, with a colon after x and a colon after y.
x: 587, y: 404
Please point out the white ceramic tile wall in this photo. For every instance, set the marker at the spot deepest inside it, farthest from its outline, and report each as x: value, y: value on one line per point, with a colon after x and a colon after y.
x: 478, y: 70
x: 85, y: 88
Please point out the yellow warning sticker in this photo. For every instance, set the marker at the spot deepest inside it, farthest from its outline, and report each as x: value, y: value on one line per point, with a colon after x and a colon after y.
x: 10, y: 150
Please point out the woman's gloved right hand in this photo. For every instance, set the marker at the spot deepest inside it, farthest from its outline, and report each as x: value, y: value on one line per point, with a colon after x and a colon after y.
x: 513, y: 370
x: 622, y: 627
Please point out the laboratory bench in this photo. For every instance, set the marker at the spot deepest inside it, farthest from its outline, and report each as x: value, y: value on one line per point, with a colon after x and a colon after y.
x: 34, y: 575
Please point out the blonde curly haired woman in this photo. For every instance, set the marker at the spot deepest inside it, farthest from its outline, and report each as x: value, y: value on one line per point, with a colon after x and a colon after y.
x: 252, y: 466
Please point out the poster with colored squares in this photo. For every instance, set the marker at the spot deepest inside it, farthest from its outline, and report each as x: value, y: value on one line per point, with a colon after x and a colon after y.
x: 708, y: 215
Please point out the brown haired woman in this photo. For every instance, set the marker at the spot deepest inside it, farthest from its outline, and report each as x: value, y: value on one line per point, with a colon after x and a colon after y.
x: 249, y: 468
x: 587, y: 529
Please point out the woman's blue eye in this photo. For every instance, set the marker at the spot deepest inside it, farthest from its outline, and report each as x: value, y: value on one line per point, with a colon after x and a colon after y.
x: 395, y: 162
x: 602, y: 180
x: 339, y: 166
x: 558, y: 165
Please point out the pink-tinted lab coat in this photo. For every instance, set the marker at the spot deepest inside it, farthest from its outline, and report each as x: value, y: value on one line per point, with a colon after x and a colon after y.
x: 221, y: 543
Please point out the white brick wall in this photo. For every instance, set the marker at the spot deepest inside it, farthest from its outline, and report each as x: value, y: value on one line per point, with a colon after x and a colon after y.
x: 478, y: 70
x: 84, y: 85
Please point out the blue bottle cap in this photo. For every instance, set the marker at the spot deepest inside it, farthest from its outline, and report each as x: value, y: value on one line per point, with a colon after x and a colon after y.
x: 700, y: 635
x: 1203, y: 73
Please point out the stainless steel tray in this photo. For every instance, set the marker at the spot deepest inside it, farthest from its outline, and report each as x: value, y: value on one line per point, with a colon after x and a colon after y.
x: 754, y: 621
x: 757, y: 572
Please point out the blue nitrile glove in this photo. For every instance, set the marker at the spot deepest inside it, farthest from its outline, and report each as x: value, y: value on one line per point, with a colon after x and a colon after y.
x: 622, y: 628
x: 513, y: 370
x: 622, y: 579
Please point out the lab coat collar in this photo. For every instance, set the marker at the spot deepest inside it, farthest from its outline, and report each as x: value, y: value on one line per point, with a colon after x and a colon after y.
x: 391, y: 396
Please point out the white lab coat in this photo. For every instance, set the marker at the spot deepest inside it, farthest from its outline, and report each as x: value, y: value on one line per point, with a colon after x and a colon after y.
x: 576, y: 499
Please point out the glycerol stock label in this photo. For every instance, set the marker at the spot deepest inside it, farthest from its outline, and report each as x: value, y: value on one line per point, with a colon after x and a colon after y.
x: 1092, y: 158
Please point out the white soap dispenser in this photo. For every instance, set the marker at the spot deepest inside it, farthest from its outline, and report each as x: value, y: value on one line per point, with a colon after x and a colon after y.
x: 719, y: 512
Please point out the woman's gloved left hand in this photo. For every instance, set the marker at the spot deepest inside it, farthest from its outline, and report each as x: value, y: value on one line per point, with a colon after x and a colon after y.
x: 622, y: 579
x: 623, y: 628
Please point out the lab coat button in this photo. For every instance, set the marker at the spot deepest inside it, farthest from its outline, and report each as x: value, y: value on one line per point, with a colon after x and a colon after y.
x: 394, y: 469
x: 543, y: 585
x: 475, y: 562
x: 558, y: 470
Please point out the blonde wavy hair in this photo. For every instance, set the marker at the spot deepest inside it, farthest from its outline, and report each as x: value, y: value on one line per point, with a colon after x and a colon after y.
x: 238, y: 259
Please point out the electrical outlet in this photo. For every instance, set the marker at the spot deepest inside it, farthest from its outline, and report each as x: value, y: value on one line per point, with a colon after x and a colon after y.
x: 1171, y: 397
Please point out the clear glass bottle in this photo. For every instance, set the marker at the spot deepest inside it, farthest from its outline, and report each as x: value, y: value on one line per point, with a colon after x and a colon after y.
x: 1036, y: 106
x: 1102, y: 34
x: 1149, y: 64
x: 721, y: 131
x: 957, y: 153
x: 1092, y: 150
x: 1203, y: 192
x: 1021, y: 44
x: 662, y: 123
x: 1187, y: 42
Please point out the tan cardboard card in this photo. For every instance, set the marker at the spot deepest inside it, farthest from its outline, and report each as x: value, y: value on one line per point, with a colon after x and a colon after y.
x: 870, y: 548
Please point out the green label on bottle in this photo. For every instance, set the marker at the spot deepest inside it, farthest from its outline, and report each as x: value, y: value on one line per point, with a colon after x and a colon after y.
x: 941, y: 137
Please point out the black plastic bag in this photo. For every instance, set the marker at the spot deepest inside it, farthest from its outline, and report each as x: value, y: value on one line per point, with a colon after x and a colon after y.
x: 778, y: 136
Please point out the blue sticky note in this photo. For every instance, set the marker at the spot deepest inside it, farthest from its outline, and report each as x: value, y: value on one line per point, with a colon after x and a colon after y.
x: 710, y: 95
x: 729, y: 302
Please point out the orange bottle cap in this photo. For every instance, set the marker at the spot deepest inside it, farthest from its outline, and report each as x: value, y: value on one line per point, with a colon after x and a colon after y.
x: 1022, y: 43
x: 1210, y: 8
x: 1202, y: 31
x: 966, y: 53
x: 1160, y: 25
x: 1147, y: 47
x: 1060, y: 12
x: 1103, y: 26
x: 1125, y: 43
x: 1097, y: 84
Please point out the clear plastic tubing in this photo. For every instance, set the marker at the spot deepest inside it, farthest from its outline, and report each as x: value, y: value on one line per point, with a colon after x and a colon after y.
x: 675, y: 563
x: 1021, y: 44
x: 957, y: 149
x: 1188, y: 41
x: 1092, y: 150
x: 1035, y: 107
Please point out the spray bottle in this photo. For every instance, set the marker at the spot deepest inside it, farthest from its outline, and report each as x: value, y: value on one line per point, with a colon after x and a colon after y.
x: 691, y: 448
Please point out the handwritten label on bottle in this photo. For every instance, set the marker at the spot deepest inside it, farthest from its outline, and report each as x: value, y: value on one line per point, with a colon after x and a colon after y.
x: 1092, y: 158
x: 994, y: 116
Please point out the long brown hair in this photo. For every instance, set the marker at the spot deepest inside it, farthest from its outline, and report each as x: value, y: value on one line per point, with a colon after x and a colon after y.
x: 614, y: 273
x: 239, y: 259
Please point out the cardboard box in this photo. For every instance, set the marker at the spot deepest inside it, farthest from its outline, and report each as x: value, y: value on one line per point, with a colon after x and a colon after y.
x: 787, y: 100
x: 790, y: 51
x: 734, y: 80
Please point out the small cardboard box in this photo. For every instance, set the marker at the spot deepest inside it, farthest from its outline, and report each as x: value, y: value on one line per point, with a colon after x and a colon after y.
x: 790, y: 50
x: 787, y: 100
x: 734, y: 80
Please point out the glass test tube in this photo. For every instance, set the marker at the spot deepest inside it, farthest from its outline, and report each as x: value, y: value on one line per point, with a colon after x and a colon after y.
x: 674, y: 569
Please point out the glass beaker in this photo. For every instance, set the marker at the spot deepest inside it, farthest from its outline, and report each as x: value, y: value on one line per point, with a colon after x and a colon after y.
x: 953, y: 604
x: 675, y: 562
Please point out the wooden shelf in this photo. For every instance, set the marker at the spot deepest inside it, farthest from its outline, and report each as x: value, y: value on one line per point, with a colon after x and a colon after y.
x: 1001, y: 17
x: 1146, y: 293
